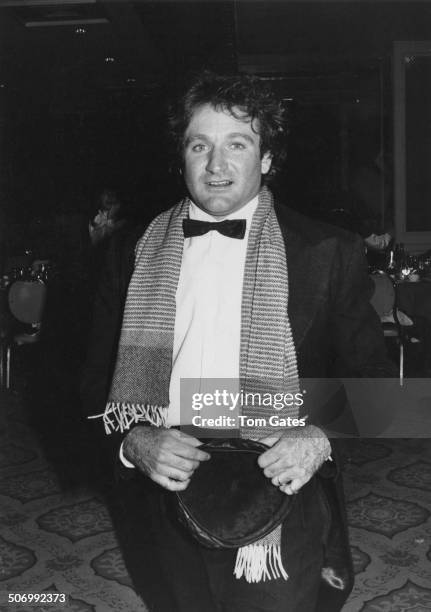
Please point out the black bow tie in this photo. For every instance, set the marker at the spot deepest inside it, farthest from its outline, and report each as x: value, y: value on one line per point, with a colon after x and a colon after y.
x: 232, y: 228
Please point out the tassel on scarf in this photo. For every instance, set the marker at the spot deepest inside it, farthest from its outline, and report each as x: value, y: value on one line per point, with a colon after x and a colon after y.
x: 257, y: 562
x: 119, y: 416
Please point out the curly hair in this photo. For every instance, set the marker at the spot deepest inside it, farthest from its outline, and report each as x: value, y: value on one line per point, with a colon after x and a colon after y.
x: 247, y: 98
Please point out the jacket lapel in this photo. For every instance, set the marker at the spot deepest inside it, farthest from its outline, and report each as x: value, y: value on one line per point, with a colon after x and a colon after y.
x: 308, y: 270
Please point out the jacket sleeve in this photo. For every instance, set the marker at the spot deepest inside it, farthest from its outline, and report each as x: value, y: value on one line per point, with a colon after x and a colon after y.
x: 108, y: 309
x: 368, y: 375
x: 357, y: 336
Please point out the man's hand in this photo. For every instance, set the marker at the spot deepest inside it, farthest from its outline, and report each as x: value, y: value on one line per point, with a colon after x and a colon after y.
x: 167, y: 456
x: 377, y: 242
x: 294, y: 457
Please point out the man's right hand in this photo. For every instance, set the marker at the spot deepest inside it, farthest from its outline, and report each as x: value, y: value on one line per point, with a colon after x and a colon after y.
x: 167, y: 456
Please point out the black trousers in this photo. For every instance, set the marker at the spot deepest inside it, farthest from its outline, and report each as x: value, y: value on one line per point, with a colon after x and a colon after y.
x: 173, y: 573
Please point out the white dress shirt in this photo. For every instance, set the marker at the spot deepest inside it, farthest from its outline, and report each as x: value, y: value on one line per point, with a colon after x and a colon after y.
x: 207, y: 329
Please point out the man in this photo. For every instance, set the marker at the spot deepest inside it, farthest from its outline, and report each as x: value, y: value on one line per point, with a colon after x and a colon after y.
x: 265, y: 299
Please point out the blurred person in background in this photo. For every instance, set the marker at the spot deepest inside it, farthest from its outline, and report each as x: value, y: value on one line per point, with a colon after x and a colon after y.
x: 109, y: 217
x: 373, y: 202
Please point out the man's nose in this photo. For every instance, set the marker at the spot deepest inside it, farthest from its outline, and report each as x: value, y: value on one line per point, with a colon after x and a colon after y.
x: 216, y: 161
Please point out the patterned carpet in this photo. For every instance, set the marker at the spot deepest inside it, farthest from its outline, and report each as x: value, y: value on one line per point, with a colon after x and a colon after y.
x: 388, y: 488
x: 59, y: 539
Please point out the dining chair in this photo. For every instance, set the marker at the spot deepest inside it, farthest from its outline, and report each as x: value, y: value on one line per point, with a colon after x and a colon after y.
x: 26, y: 303
x: 384, y: 301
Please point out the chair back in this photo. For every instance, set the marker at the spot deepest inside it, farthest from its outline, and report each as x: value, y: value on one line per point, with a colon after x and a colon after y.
x: 27, y: 301
x: 383, y: 299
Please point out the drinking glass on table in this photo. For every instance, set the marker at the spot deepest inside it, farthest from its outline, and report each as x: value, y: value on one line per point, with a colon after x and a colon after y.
x: 406, y: 267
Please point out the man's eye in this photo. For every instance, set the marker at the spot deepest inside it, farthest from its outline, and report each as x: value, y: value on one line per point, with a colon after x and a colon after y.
x: 237, y: 145
x: 198, y: 148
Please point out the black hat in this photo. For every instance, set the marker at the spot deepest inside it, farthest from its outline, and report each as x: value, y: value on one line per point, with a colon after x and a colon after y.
x: 229, y: 502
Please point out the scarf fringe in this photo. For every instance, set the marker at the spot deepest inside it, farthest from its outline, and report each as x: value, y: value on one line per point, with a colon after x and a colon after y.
x: 257, y: 562
x: 119, y: 416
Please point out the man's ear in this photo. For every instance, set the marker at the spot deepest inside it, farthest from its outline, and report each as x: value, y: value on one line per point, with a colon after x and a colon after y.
x: 265, y: 163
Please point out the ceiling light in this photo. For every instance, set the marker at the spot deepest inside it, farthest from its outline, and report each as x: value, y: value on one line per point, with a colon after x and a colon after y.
x: 80, y: 31
x: 131, y: 80
x: 43, y: 23
x: 15, y: 3
x: 109, y: 60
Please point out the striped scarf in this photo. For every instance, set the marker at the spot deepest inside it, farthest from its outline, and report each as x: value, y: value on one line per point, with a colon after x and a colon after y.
x: 140, y: 386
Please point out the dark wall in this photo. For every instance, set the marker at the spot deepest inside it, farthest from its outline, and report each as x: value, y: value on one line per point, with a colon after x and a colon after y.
x: 69, y: 128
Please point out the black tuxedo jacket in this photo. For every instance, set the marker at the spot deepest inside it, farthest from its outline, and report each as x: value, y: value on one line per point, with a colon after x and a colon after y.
x: 335, y: 330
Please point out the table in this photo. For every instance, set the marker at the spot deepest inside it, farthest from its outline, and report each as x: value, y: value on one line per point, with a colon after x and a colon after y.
x: 415, y: 298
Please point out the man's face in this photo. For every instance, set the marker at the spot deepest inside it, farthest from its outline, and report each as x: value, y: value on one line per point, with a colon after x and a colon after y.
x: 222, y: 161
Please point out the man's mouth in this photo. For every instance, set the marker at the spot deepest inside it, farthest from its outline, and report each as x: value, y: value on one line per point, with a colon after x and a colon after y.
x: 219, y: 183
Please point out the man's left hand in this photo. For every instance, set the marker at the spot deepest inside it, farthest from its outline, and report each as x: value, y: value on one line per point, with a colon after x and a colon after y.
x: 294, y: 457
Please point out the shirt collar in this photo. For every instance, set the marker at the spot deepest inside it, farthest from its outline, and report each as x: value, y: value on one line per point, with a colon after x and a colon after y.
x: 246, y: 212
